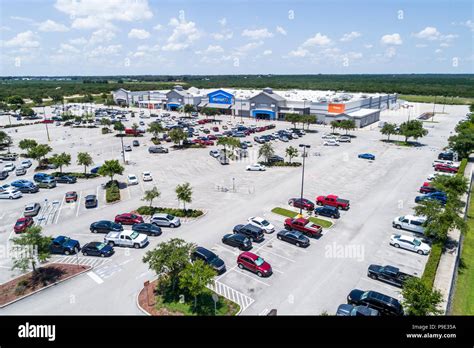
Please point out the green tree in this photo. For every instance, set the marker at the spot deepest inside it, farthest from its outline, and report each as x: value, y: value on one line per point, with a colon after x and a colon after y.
x: 63, y: 159
x: 151, y: 195
x: 293, y: 118
x: 57, y: 98
x: 155, y: 128
x: 111, y: 168
x: 309, y: 120
x: 462, y: 143
x: 84, y: 159
x: 105, y: 122
x: 118, y: 126
x: 195, y: 277
x: 230, y: 142
x: 184, y: 193
x: 455, y: 186
x: 37, y: 100
x: 266, y: 151
x: 5, y: 139
x: 26, y: 111
x: 389, y: 129
x: 30, y: 248
x: 335, y: 125
x: 347, y: 125
x: 39, y: 152
x: 177, y: 135
x: 104, y: 97
x: 419, y: 299
x: 291, y: 152
x: 15, y: 100
x: 412, y: 129
x: 188, y: 108
x: 27, y: 144
x: 135, y: 129
x: 169, y: 258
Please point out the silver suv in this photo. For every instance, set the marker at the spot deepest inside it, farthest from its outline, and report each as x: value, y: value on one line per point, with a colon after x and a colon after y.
x: 165, y: 220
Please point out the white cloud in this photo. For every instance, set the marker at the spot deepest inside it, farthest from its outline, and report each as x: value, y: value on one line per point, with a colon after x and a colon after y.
x: 79, y: 41
x: 139, y: 34
x: 438, y: 50
x: 429, y: 33
x: 22, y: 19
x: 391, y: 39
x: 223, y: 21
x: 184, y: 34
x: 299, y: 52
x: 350, y: 36
x: 421, y: 45
x: 469, y: 24
x: 390, y: 52
x: 244, y: 49
x: 444, y: 44
x: 257, y: 34
x: 224, y: 35
x: 25, y: 39
x: 281, y: 30
x: 267, y: 52
x: 66, y: 48
x: 211, y: 49
x: 50, y: 25
x: 91, y: 14
x: 317, y: 40
x: 368, y: 46
x: 101, y: 35
x: 104, y: 51
x: 158, y: 27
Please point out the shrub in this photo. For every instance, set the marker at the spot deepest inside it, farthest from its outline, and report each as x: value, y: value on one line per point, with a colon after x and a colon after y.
x: 105, y: 130
x: 281, y: 164
x: 431, y: 267
x: 462, y: 167
x: 146, y: 210
x: 77, y: 175
x: 21, y: 287
x: 112, y: 192
x: 155, y: 141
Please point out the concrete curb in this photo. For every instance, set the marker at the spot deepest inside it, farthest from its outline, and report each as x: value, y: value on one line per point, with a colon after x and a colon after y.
x: 327, y: 228
x: 138, y: 304
x: 43, y: 288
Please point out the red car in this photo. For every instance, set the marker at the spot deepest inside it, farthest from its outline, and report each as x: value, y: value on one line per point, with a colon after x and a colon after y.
x: 427, y: 188
x: 304, y: 203
x: 254, y: 263
x: 201, y: 121
x: 71, y: 196
x: 304, y: 226
x: 211, y: 137
x: 47, y: 121
x: 203, y: 142
x: 333, y: 201
x: 445, y: 168
x: 22, y: 224
x: 215, y: 129
x: 261, y: 129
x: 128, y: 219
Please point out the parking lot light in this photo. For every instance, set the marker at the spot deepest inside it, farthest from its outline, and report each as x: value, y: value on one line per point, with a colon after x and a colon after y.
x: 304, y: 146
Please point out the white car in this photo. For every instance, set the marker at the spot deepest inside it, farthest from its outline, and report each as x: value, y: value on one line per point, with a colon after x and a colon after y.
x: 256, y: 167
x: 262, y: 223
x: 248, y: 143
x: 26, y: 163
x: 449, y: 163
x: 331, y: 142
x: 215, y: 153
x: 9, y: 167
x: 132, y: 179
x: 432, y: 176
x: 146, y: 176
x: 10, y: 193
x: 410, y: 243
x: 410, y: 223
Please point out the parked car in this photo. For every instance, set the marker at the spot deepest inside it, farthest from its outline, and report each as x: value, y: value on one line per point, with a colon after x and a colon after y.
x: 427, y: 188
x: 66, y: 179
x: 347, y: 310
x: 31, y: 209
x: 91, y: 201
x: 386, y: 305
x: 64, y: 245
x: 25, y: 186
x: 165, y: 220
x: 345, y: 139
x: 447, y: 156
x: 95, y: 170
x: 127, y: 148
x: 105, y: 226
x: 367, y: 156
x: 333, y: 201
x: 146, y: 176
x: 237, y: 240
x: 275, y: 159
x: 9, y: 167
x: 256, y: 167
x: 135, y: 143
x: 70, y: 196
x: 329, y: 211
x: 132, y: 179
x: 3, y: 175
x: 294, y: 237
x: 254, y: 263
x: 48, y: 182
x: 147, y: 228
x: 26, y: 163
x: 126, y: 238
x: 261, y: 223
x: 388, y: 274
x: 128, y: 219
x: 10, y: 193
x: 331, y: 142
x: 301, y: 203
x: 432, y: 176
x: 446, y: 168
x: 215, y: 153
x: 410, y: 223
x: 20, y: 171
x: 255, y: 233
x: 438, y: 195
x: 22, y: 224
x: 303, y: 225
x: 97, y: 249
x: 209, y: 258
x: 410, y: 243
x: 157, y: 149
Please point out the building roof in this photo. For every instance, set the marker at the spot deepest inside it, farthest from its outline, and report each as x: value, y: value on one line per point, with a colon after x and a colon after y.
x: 363, y: 112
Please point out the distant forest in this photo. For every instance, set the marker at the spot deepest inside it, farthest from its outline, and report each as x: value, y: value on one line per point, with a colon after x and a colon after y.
x: 448, y: 85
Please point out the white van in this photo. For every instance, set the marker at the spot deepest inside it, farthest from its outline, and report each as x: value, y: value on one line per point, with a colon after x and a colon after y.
x: 410, y: 223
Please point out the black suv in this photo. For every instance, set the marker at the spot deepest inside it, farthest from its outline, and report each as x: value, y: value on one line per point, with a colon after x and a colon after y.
x: 327, y: 210
x: 237, y: 240
x: 253, y: 232
x: 446, y: 156
x: 147, y: 228
x: 210, y: 258
x: 275, y: 159
x: 105, y: 226
x: 91, y: 201
x: 386, y: 305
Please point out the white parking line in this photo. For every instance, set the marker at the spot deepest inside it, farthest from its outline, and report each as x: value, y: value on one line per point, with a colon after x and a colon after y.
x: 59, y: 210
x: 79, y: 203
x: 247, y: 275
x: 95, y: 277
x: 283, y: 257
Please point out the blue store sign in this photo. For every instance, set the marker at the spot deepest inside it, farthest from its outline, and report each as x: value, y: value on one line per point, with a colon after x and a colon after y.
x: 220, y: 97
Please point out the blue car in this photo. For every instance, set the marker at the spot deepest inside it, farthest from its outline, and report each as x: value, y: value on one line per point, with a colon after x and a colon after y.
x: 64, y: 245
x: 39, y: 177
x: 95, y: 170
x: 25, y: 186
x: 439, y: 196
x: 368, y: 156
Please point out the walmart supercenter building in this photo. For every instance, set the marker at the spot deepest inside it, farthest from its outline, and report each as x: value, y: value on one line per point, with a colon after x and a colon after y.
x: 268, y: 104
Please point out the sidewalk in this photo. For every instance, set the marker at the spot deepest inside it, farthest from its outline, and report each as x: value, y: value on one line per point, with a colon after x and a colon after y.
x: 447, y: 263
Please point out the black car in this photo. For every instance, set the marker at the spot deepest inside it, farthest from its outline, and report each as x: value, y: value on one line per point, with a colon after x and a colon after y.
x: 91, y: 201
x: 446, y: 156
x: 255, y: 233
x: 388, y: 274
x: 347, y: 310
x: 105, y: 226
x: 148, y: 229
x: 294, y: 237
x: 64, y: 245
x: 275, y: 159
x: 327, y: 210
x: 135, y: 143
x: 66, y: 179
x: 97, y: 249
x: 3, y: 175
x: 210, y: 258
x: 386, y: 305
x: 237, y: 240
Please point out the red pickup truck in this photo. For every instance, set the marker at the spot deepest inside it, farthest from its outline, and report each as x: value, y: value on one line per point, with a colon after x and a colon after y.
x: 304, y: 226
x: 333, y: 201
x: 445, y: 168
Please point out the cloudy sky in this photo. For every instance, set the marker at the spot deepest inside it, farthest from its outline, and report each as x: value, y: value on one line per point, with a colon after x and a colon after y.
x: 109, y: 37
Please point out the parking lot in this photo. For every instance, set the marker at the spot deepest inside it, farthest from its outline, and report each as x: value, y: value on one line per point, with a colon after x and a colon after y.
x: 305, y: 281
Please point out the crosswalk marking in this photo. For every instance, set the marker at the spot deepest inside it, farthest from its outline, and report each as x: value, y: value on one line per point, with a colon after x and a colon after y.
x: 231, y: 294
x: 94, y: 262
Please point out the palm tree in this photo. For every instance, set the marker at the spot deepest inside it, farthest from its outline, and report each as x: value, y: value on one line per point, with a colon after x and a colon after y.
x: 266, y: 151
x: 291, y: 152
x: 63, y: 159
x: 388, y: 129
x: 111, y: 168
x: 184, y: 193
x: 150, y: 195
x: 84, y: 159
x: 155, y: 128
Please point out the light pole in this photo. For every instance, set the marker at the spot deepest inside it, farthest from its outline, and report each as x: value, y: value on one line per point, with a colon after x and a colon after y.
x: 46, y: 123
x: 123, y: 150
x: 304, y: 146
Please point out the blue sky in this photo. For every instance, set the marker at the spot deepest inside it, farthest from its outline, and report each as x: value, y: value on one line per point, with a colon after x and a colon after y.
x: 126, y: 37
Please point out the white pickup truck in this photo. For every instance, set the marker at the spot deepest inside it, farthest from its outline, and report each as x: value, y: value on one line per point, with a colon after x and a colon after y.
x: 126, y: 238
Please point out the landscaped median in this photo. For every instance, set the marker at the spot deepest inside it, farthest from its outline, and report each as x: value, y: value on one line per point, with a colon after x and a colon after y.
x: 182, y: 213
x: 112, y: 192
x: 291, y: 214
